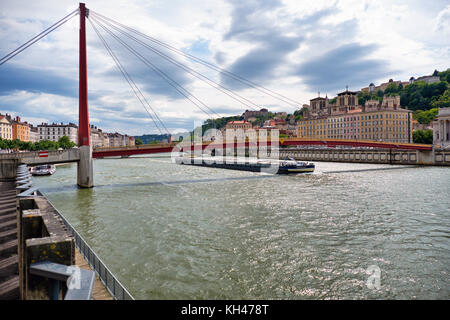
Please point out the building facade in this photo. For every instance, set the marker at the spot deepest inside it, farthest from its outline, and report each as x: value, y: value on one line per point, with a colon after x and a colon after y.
x: 97, y: 137
x: 55, y: 131
x: 20, y: 130
x: 253, y: 114
x: 5, y: 128
x: 34, y: 134
x: 238, y: 125
x: 441, y: 129
x: 345, y: 119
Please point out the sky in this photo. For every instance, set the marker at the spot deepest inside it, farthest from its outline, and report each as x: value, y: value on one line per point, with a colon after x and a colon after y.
x: 293, y: 47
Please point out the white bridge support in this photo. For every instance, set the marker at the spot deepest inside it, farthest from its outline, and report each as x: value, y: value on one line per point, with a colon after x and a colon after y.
x: 85, y: 170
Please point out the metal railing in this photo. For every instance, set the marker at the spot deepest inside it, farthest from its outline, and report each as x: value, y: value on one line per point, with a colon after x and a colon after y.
x: 114, y: 286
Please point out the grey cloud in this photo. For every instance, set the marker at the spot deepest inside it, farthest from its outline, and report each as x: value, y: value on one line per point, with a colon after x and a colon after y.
x: 251, y: 24
x: 248, y: 14
x: 35, y: 80
x: 144, y: 76
x: 261, y: 63
x: 345, y: 65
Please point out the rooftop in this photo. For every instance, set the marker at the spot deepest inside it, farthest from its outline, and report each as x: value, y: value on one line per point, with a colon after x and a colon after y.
x: 347, y: 92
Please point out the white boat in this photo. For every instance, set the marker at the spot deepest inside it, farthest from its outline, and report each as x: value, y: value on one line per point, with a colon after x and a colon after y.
x: 43, y: 170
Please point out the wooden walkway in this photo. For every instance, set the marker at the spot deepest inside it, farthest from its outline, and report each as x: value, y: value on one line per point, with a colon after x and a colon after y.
x: 100, y: 292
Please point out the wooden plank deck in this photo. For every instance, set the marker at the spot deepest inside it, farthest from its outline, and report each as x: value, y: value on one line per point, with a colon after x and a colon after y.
x: 100, y: 292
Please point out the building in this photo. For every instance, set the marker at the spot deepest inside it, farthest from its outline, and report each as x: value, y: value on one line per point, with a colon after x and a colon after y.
x: 441, y: 129
x: 97, y: 137
x: 373, y: 88
x: 428, y: 79
x: 385, y: 121
x: 131, y: 141
x: 55, y: 131
x: 280, y: 115
x: 20, y: 130
x: 34, y: 134
x: 5, y: 128
x: 280, y: 124
x: 253, y: 114
x: 118, y: 140
x: 314, y: 128
x: 238, y: 125
x: 114, y: 139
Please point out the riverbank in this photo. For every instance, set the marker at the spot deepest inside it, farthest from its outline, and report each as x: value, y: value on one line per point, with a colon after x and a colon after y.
x: 35, y: 239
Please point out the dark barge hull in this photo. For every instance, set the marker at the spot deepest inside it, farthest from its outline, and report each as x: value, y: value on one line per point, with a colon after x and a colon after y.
x: 253, y: 167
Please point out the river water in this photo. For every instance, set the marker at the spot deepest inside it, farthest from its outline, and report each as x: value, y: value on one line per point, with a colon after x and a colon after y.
x: 348, y: 231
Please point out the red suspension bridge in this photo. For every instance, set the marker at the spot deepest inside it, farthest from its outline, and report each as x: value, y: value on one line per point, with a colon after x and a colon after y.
x: 119, y: 33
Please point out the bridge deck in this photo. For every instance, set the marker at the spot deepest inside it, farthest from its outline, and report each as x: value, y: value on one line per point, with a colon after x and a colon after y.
x: 169, y: 147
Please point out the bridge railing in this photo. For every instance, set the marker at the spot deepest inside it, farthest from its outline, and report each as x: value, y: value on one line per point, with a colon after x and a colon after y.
x: 112, y: 284
x: 29, y: 154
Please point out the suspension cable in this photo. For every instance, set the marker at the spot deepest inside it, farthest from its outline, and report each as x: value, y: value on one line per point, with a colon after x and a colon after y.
x: 130, y: 81
x: 168, y: 79
x: 209, y: 64
x: 188, y: 69
x: 38, y: 37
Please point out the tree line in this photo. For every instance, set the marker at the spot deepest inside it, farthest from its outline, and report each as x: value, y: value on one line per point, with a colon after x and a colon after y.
x: 16, y: 144
x: 416, y: 96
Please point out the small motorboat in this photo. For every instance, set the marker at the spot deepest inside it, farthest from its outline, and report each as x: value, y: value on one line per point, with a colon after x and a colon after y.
x: 43, y: 170
x: 292, y: 166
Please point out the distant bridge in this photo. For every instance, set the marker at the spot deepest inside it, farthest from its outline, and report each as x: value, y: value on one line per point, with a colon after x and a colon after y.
x: 169, y: 147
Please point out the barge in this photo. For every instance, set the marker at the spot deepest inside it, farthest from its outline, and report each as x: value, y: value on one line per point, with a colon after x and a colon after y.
x: 286, y: 166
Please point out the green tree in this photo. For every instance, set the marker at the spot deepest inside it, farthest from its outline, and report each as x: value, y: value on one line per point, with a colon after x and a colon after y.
x: 363, y: 96
x: 391, y: 89
x: 423, y: 136
x: 138, y: 141
x: 65, y: 143
x: 443, y: 101
x: 445, y: 75
x: 425, y: 117
x: 47, y: 145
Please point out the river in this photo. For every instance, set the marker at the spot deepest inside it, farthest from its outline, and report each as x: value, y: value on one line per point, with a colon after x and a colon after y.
x: 348, y: 231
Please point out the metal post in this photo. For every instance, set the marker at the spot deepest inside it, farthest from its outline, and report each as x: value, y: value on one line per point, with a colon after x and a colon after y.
x: 55, y: 289
x: 85, y: 172
x: 84, y: 137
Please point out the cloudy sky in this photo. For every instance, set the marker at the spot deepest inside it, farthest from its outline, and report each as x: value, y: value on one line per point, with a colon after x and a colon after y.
x: 296, y: 48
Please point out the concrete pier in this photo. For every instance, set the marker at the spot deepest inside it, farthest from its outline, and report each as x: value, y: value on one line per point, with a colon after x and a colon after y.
x: 85, y: 171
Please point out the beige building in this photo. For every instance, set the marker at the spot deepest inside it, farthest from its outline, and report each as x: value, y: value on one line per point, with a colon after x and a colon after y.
x: 248, y: 115
x: 5, y: 128
x: 441, y: 129
x: 55, y: 131
x: 34, y: 134
x: 385, y: 121
x: 118, y: 140
x: 97, y: 137
x: 373, y: 88
x: 238, y: 125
